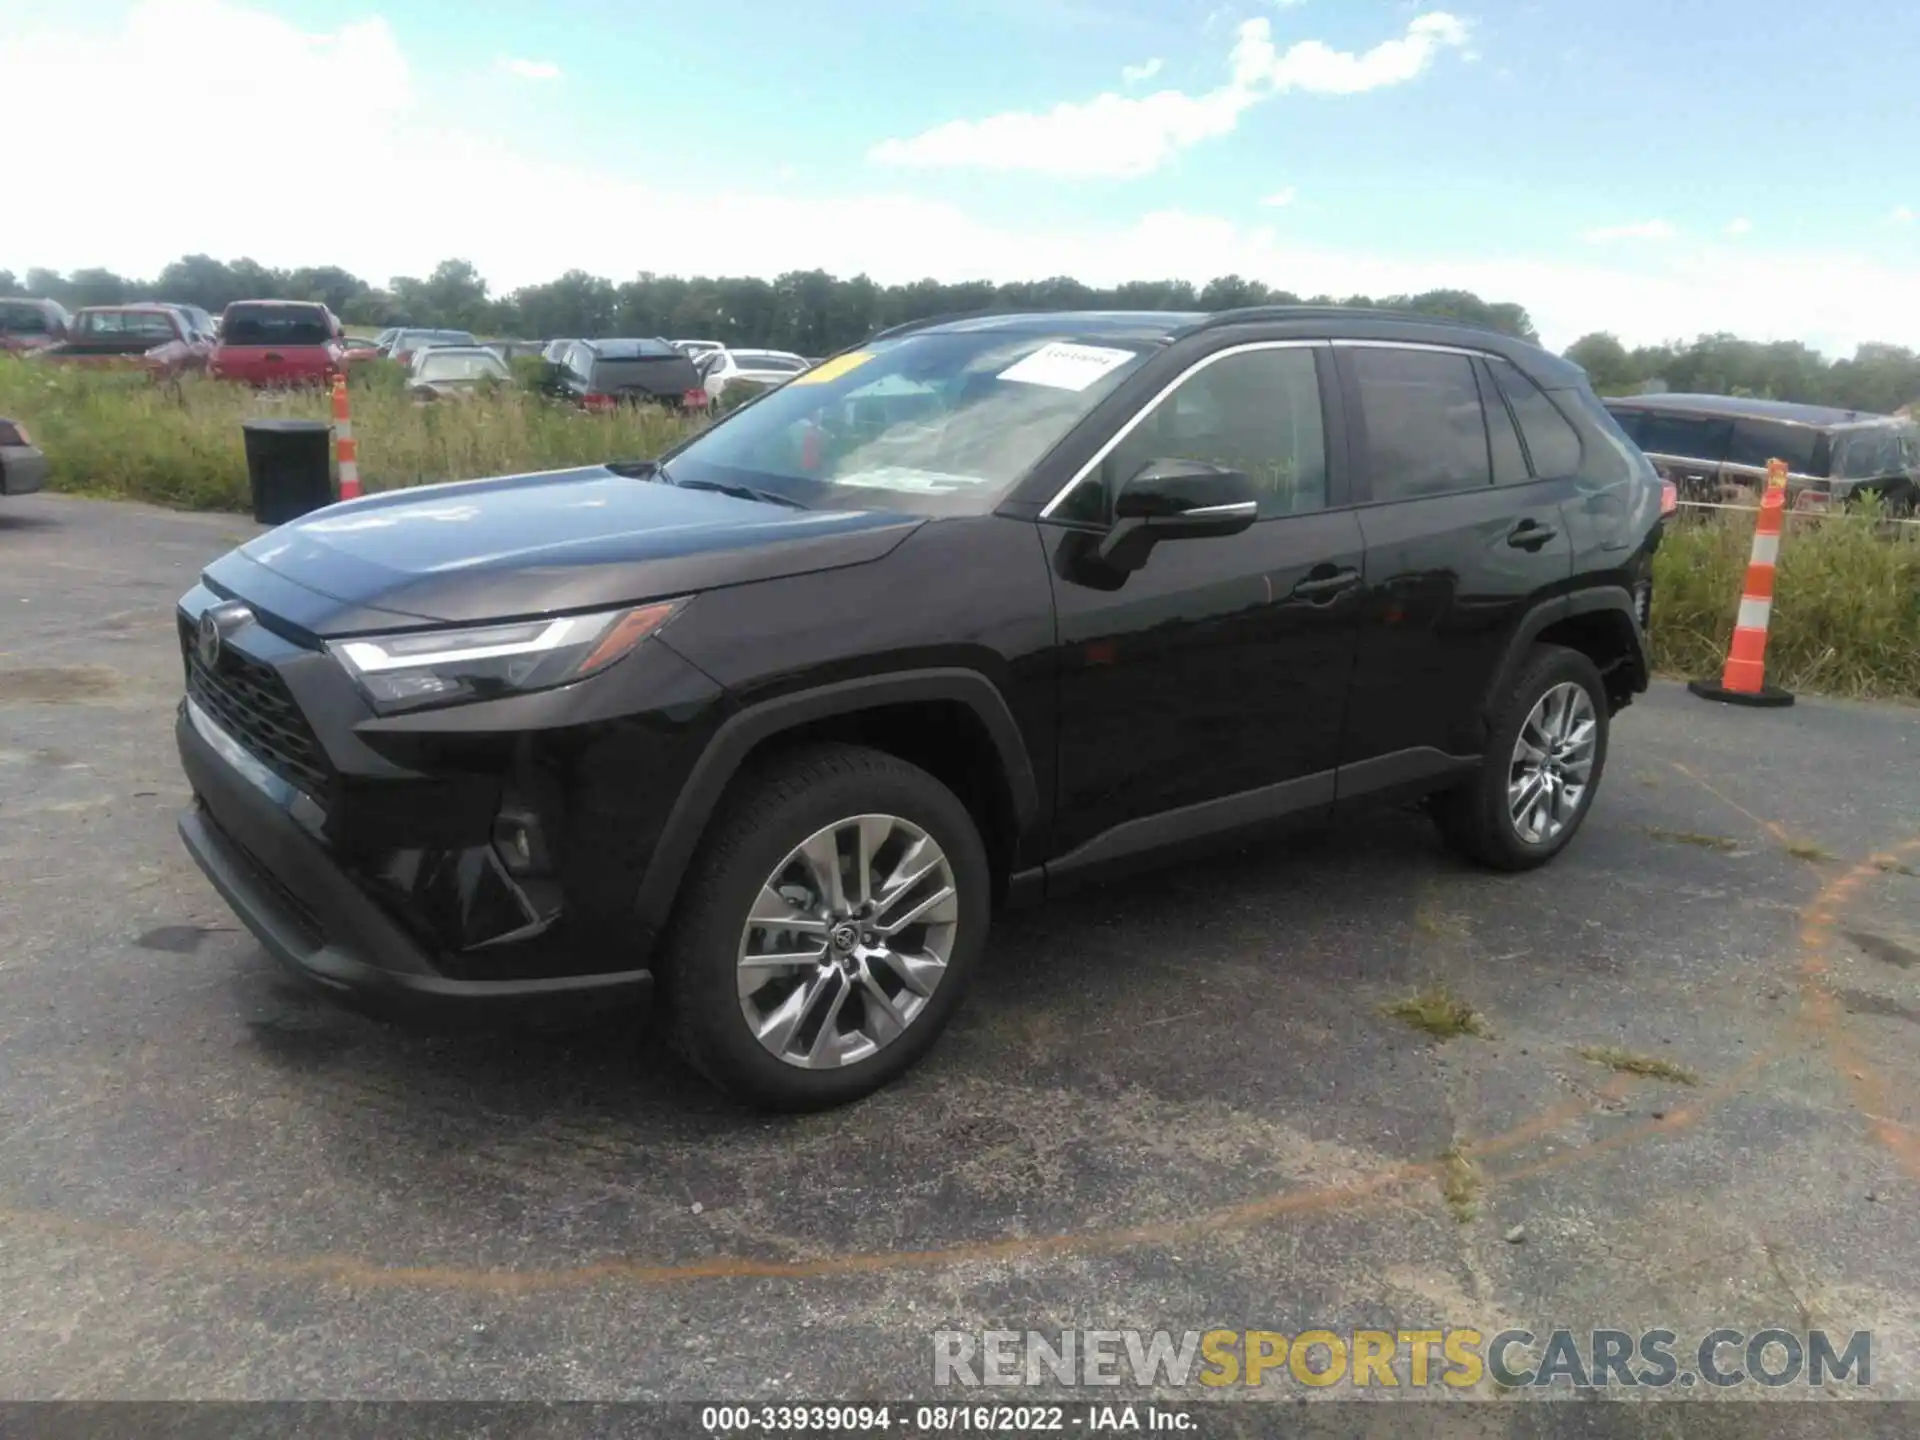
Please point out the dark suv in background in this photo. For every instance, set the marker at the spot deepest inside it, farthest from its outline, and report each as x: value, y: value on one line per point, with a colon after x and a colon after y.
x: 948, y: 622
x: 602, y: 374
x: 1716, y: 447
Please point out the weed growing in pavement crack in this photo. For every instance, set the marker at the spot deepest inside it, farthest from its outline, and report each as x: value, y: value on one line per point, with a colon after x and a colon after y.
x: 1438, y: 1012
x: 1646, y: 1066
x: 1460, y: 1184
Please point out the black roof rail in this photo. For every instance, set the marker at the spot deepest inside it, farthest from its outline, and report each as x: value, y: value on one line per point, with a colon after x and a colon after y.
x: 1248, y: 314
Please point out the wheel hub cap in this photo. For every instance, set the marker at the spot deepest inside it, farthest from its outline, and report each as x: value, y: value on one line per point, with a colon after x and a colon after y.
x: 847, y: 942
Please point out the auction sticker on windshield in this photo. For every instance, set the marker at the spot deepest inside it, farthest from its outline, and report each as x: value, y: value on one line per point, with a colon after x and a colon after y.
x: 1066, y: 367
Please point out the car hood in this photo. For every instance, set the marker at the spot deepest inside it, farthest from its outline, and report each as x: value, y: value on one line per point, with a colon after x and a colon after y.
x: 529, y: 544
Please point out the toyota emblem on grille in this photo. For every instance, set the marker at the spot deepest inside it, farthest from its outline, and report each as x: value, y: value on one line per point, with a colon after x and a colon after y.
x: 216, y: 621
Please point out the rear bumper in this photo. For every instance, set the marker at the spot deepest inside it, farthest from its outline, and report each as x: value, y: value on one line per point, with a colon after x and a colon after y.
x: 258, y: 847
x: 23, y: 469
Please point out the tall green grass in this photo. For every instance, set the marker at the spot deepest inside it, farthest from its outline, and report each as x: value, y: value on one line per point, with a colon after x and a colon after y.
x: 121, y: 436
x: 1846, y: 616
x: 1846, y: 605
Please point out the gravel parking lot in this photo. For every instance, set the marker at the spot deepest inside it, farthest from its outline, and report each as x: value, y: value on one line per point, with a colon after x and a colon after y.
x: 1175, y: 1104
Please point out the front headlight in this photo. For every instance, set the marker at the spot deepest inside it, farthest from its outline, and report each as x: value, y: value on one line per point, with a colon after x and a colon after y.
x: 440, y: 667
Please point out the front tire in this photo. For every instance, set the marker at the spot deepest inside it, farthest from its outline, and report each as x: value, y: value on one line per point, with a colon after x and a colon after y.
x: 1545, y: 755
x: 833, y: 918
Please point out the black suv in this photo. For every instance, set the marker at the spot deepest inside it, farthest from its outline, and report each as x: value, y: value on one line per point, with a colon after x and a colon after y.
x: 1716, y: 447
x: 603, y: 374
x: 948, y: 622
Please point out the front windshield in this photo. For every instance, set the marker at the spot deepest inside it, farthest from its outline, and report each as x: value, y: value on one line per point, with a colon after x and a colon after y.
x: 943, y: 423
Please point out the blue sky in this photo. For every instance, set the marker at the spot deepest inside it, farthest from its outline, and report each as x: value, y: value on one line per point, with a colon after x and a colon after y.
x: 1654, y: 169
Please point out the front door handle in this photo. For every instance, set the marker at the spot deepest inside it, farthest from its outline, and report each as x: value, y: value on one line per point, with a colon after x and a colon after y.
x: 1325, y: 587
x: 1530, y: 535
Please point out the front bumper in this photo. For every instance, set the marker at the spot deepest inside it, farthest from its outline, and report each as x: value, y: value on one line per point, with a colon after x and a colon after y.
x: 257, y: 839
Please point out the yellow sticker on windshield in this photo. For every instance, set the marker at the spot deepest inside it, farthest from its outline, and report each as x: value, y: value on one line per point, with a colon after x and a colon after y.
x: 828, y: 370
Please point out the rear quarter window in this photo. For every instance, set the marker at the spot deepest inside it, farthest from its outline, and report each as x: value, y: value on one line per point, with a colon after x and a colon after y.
x: 1686, y: 437
x: 1552, y: 443
x: 1755, y: 442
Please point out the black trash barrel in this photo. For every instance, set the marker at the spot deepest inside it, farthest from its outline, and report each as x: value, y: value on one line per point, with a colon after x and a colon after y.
x: 288, y: 467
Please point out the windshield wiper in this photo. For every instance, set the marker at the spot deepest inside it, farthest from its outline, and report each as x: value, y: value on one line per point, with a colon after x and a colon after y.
x: 739, y: 492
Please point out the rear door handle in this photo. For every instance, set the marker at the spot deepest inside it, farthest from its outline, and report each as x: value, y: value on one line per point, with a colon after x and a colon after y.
x: 1325, y: 587
x: 1530, y: 535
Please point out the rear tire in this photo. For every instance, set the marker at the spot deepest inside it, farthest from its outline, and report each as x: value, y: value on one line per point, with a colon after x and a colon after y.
x: 868, y: 991
x: 1519, y: 811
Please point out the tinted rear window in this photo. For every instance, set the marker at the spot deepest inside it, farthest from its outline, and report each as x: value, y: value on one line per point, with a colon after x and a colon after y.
x: 132, y: 324
x: 1552, y: 443
x: 22, y: 319
x: 635, y: 350
x: 1686, y: 437
x: 1755, y: 442
x: 662, y: 374
x: 275, y: 326
x: 1426, y: 433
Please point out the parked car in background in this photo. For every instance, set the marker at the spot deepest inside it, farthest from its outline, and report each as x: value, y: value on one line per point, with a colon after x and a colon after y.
x: 156, y: 338
x: 554, y: 349
x: 698, y: 349
x: 31, y: 324
x: 278, y: 342
x: 359, y: 349
x: 198, y: 320
x: 600, y: 374
x: 510, y: 350
x: 455, y: 372
x: 1716, y: 447
x: 764, y: 367
x: 23, y: 467
x: 784, y: 717
x: 406, y: 342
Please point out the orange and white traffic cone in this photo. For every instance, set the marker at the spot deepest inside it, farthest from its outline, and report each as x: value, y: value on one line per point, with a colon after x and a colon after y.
x: 343, y: 445
x: 1744, y: 680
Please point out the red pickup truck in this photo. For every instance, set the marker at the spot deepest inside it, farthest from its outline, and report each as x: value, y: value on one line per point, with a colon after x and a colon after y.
x: 278, y: 342
x: 154, y: 338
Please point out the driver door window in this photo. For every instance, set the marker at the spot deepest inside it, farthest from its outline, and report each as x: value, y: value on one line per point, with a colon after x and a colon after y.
x: 1257, y: 411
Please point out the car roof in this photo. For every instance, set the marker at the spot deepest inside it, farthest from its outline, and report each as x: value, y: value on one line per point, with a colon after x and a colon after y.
x: 303, y: 304
x: 1163, y: 327
x: 1749, y: 407
x: 145, y: 307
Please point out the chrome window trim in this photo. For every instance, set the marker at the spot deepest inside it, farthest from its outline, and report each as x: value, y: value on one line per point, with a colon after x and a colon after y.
x: 1429, y: 345
x: 1113, y: 441
x: 1757, y: 472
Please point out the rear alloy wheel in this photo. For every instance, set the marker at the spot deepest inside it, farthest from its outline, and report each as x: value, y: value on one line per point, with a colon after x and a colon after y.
x: 1544, y: 757
x: 828, y: 928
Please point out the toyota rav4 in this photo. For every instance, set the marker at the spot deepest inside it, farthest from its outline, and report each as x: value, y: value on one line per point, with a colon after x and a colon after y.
x: 774, y: 724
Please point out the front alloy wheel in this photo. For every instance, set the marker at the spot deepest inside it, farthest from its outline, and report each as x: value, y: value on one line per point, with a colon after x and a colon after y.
x: 847, y: 941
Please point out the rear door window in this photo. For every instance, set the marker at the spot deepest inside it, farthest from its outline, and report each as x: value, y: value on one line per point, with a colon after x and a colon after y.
x: 1686, y: 437
x: 1420, y: 415
x: 1755, y: 442
x: 1553, y: 445
x: 1509, y: 460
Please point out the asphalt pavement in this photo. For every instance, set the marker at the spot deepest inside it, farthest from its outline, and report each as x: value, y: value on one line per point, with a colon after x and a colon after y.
x: 1174, y: 1104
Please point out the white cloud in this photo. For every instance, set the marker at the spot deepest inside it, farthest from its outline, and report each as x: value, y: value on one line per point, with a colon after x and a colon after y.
x: 1741, y: 226
x: 1117, y: 136
x: 528, y: 69
x: 400, y: 163
x: 1145, y: 70
x: 1901, y: 215
x: 1280, y: 199
x: 1643, y: 230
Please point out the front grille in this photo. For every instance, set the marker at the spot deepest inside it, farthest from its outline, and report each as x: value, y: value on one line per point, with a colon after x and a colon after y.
x: 252, y: 703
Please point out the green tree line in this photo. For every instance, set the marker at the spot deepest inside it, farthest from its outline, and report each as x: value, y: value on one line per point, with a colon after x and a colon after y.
x: 815, y: 313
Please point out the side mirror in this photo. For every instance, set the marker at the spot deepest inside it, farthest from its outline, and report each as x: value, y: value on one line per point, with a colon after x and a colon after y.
x: 1175, y: 500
